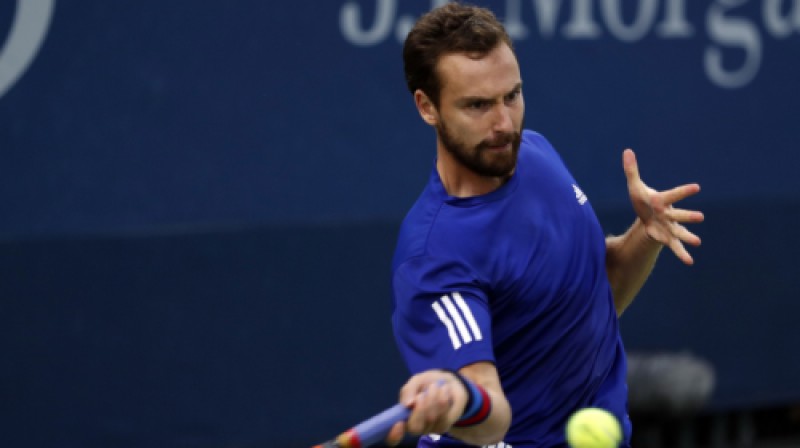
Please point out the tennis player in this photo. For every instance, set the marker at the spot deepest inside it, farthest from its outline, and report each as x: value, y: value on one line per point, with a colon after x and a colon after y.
x: 506, y: 291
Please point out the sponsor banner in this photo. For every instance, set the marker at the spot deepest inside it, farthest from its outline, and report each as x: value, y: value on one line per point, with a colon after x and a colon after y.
x: 136, y: 114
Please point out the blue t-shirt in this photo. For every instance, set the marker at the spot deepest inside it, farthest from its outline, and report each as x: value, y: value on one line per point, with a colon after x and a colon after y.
x: 516, y: 277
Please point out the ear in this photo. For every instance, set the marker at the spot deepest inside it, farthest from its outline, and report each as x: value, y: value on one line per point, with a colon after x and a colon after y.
x: 426, y: 108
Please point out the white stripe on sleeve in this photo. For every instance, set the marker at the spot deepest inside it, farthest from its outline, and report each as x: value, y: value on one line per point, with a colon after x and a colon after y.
x: 462, y: 327
x: 447, y: 323
x: 473, y: 325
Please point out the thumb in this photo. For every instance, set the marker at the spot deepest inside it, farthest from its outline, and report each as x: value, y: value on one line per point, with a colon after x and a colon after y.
x: 630, y: 166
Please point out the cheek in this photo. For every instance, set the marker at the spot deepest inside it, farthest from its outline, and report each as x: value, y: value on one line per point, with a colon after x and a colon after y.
x: 475, y: 128
x: 464, y: 128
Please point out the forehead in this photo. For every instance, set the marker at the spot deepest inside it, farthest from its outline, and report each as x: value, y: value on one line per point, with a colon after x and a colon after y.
x: 494, y: 74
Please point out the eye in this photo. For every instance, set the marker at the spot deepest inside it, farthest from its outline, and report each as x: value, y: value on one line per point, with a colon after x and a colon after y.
x: 511, y: 97
x: 478, y: 104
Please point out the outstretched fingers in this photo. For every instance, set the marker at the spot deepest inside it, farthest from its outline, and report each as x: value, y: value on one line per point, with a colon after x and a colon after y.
x: 683, y: 234
x: 679, y: 193
x: 682, y: 215
x: 663, y: 223
x: 674, y: 236
x: 677, y: 247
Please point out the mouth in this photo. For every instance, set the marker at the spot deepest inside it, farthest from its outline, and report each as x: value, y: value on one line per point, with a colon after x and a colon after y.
x: 499, y: 148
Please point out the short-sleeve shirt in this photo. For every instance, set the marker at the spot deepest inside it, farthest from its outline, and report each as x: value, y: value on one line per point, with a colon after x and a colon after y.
x: 515, y: 277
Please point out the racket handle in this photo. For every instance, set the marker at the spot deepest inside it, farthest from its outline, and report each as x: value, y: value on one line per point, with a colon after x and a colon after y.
x: 375, y: 428
x: 370, y: 431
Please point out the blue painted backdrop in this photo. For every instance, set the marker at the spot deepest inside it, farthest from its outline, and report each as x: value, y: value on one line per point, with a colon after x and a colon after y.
x: 200, y: 200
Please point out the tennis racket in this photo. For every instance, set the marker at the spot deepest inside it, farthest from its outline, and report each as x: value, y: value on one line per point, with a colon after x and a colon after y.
x: 370, y: 431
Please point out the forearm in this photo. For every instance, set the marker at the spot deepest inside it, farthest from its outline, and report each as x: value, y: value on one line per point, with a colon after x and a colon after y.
x: 493, y: 429
x: 629, y: 260
x: 439, y: 400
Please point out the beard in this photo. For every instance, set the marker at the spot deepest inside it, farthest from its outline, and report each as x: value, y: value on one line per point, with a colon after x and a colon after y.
x: 480, y: 159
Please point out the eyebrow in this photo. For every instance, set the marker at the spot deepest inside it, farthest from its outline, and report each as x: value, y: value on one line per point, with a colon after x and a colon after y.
x: 472, y: 99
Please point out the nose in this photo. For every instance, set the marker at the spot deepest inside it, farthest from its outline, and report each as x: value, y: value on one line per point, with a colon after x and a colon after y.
x: 502, y: 119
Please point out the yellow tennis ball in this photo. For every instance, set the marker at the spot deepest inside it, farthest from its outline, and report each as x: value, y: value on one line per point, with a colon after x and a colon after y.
x: 593, y: 428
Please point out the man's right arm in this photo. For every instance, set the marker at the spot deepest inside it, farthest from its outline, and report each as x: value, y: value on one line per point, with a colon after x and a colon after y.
x: 438, y: 400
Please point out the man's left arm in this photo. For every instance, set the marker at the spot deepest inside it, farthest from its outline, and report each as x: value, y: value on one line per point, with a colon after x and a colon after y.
x: 630, y: 257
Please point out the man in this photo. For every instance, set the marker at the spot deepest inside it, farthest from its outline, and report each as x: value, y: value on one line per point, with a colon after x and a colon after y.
x: 506, y: 292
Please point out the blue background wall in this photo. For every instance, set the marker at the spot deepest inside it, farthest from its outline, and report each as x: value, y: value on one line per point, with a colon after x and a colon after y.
x: 200, y: 201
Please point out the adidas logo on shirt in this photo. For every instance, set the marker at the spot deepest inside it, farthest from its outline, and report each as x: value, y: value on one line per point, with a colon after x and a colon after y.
x: 579, y: 195
x: 456, y: 316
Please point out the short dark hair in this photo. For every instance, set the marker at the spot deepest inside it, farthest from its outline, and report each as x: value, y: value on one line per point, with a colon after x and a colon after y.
x: 452, y: 28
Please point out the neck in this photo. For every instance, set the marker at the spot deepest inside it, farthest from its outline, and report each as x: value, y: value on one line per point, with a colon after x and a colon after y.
x: 461, y: 182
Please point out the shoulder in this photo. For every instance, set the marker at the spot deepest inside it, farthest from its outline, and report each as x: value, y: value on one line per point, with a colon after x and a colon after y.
x: 432, y: 273
x: 416, y: 226
x: 434, y: 242
x: 534, y: 143
x: 538, y: 155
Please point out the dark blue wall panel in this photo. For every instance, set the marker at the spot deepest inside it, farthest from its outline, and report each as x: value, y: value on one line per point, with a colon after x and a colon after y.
x: 270, y: 335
